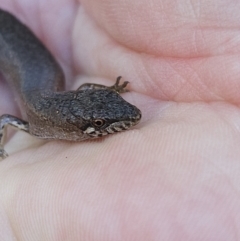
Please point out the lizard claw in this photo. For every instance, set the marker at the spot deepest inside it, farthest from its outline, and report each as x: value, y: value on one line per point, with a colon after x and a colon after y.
x: 3, y: 153
x: 120, y: 88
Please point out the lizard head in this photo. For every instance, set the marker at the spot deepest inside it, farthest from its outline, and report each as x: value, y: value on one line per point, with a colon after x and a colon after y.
x: 102, y: 112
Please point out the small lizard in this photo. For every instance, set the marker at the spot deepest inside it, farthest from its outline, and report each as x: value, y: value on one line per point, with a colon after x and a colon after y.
x: 91, y: 111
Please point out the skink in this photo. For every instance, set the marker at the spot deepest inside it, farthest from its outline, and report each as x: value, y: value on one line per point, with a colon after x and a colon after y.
x: 89, y: 112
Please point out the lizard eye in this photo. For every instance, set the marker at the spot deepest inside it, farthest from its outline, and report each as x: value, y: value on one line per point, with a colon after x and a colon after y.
x: 98, y: 122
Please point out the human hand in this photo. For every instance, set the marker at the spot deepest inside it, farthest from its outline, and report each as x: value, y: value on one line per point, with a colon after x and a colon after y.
x: 175, y: 176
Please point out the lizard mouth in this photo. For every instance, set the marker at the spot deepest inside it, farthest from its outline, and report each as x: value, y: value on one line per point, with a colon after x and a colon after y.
x: 113, y: 128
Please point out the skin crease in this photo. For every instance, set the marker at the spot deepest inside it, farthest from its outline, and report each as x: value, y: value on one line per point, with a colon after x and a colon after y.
x: 176, y: 175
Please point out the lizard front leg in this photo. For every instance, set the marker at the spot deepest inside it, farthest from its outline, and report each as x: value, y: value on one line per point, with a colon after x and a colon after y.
x: 13, y: 121
x: 116, y: 87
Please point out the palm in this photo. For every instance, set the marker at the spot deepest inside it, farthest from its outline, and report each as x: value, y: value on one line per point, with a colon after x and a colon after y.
x: 176, y: 174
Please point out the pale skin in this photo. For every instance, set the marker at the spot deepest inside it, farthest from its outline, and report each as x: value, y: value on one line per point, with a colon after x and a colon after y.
x: 176, y: 175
